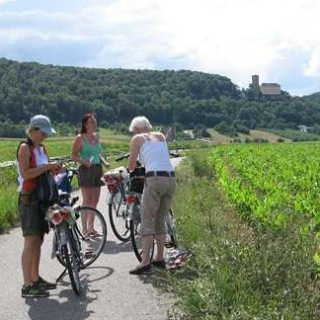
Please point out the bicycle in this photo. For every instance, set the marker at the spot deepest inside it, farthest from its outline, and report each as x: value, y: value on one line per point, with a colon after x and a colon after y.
x: 129, y: 189
x: 116, y: 182
x: 71, y: 247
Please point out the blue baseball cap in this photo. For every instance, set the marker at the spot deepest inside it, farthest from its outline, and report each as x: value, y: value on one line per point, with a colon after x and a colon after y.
x: 43, y: 123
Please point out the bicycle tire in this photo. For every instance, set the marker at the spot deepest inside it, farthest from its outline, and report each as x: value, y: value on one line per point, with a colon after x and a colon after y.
x: 118, y: 215
x: 91, y: 248
x: 172, y: 240
x: 72, y: 267
x: 135, y: 235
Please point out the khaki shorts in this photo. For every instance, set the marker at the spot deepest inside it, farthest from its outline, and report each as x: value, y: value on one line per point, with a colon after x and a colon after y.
x: 155, y: 204
x: 90, y: 176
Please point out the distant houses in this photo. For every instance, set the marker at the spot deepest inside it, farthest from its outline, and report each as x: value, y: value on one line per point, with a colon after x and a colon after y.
x: 304, y: 128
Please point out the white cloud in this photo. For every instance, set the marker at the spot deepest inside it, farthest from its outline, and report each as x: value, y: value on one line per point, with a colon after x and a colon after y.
x: 313, y: 67
x: 6, y: 1
x: 235, y: 38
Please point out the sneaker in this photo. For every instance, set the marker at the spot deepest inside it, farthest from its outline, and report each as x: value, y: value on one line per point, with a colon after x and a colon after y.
x: 159, y: 263
x: 45, y: 285
x: 33, y: 292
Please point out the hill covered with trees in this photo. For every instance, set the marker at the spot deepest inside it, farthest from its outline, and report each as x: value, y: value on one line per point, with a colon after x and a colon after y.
x: 183, y: 97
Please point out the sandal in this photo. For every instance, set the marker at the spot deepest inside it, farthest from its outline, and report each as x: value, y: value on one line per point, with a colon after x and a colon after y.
x: 85, y: 236
x: 93, y: 234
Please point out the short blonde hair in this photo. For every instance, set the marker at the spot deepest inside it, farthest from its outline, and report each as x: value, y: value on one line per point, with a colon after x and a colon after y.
x: 139, y: 122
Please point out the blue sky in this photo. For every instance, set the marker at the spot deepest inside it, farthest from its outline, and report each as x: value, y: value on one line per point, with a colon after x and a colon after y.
x: 277, y: 39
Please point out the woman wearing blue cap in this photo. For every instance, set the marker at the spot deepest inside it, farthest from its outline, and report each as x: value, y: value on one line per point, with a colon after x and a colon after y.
x: 32, y: 162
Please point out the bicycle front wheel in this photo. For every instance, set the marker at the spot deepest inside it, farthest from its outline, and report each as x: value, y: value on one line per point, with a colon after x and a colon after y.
x: 171, y: 239
x: 92, y: 245
x: 118, y: 215
x: 71, y: 262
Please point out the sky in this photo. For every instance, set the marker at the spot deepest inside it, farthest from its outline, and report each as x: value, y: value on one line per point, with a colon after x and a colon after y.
x: 276, y: 39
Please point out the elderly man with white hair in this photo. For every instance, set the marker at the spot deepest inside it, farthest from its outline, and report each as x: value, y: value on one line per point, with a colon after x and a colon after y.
x: 160, y: 184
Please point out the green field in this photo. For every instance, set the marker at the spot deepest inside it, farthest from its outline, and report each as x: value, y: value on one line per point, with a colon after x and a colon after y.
x: 249, y: 216
x: 272, y: 184
x: 61, y: 146
x: 113, y: 144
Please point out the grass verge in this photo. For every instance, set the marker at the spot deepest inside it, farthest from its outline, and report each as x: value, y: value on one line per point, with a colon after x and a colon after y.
x: 236, y: 272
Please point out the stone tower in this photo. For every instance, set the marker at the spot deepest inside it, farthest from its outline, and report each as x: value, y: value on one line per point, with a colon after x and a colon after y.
x: 255, y: 83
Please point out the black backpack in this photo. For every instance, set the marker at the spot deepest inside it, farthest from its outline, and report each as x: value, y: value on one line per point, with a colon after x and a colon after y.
x: 47, y: 190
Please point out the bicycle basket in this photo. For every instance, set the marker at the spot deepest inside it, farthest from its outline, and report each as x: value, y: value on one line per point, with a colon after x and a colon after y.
x: 112, y: 180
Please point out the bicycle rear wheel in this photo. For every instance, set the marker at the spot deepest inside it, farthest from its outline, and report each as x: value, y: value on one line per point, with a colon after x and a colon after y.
x: 135, y: 232
x: 118, y: 215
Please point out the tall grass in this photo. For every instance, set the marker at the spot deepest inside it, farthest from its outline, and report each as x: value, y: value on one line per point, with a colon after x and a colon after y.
x: 236, y: 272
x: 8, y: 198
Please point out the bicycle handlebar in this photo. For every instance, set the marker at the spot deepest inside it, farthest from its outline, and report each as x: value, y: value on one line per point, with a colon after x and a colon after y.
x: 125, y: 156
x: 174, y: 154
x: 63, y: 159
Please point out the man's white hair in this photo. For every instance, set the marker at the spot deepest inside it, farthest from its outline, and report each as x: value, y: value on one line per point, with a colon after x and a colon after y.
x: 139, y: 122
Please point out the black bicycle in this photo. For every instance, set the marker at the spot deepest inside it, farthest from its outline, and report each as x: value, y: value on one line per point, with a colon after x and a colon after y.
x: 73, y: 249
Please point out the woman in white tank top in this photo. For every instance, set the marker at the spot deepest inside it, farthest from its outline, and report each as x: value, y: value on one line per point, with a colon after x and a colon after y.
x: 160, y: 184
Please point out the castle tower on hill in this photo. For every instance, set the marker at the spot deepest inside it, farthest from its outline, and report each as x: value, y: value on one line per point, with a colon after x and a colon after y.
x: 255, y: 82
x: 265, y: 88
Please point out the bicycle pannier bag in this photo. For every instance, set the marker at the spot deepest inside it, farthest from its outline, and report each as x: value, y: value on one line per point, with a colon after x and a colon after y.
x: 137, y: 179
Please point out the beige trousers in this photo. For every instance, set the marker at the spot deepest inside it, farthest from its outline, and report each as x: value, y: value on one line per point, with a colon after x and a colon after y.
x: 155, y: 204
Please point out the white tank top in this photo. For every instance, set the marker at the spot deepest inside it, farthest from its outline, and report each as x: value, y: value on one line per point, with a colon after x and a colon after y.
x: 155, y: 156
x: 41, y: 159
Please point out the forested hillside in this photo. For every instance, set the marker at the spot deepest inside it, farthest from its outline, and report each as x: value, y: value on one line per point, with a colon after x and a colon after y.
x: 116, y: 95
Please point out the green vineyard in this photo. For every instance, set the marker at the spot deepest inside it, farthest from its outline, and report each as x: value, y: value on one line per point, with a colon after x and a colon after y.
x: 272, y: 184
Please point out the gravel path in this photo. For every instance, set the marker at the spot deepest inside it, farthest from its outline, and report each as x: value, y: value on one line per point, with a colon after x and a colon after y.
x: 113, y: 293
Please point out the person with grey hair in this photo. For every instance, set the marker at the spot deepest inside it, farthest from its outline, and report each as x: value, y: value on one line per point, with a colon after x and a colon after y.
x: 139, y: 122
x: 32, y: 162
x: 160, y: 184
